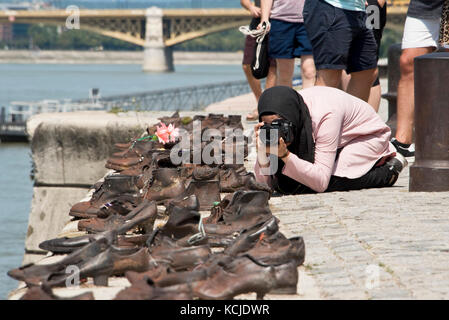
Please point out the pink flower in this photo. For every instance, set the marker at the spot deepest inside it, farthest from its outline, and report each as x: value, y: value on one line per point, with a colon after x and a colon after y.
x: 162, y: 133
x: 166, y: 134
x: 174, y: 132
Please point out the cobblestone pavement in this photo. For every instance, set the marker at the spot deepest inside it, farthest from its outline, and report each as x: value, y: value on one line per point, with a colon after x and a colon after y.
x: 352, y: 237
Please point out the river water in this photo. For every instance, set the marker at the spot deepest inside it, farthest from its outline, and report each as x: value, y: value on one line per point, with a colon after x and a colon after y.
x: 31, y: 82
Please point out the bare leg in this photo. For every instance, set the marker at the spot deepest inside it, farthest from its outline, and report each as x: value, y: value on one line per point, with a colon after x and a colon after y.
x: 345, y: 78
x: 271, y: 77
x: 308, y: 72
x: 328, y: 78
x: 361, y: 83
x: 406, y: 94
x: 285, y: 71
x: 256, y: 88
x: 270, y: 82
x: 253, y: 82
x: 374, y: 97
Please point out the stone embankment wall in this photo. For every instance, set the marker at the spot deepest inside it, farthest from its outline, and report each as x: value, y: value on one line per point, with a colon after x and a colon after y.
x: 113, y: 57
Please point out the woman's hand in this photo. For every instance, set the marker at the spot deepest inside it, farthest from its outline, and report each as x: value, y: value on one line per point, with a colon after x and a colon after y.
x: 255, y: 11
x: 256, y: 131
x: 280, y: 150
x: 267, y: 25
x: 261, y: 149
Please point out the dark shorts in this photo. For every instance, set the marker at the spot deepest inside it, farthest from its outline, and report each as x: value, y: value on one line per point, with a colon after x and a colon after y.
x: 249, y: 51
x: 288, y: 40
x: 377, y: 32
x: 340, y: 38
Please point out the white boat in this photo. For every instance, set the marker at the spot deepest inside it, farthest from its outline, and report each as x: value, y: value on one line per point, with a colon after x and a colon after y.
x: 13, y: 120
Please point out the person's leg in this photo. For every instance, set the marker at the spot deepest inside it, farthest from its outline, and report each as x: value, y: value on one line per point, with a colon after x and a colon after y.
x: 254, y: 83
x: 374, y: 97
x: 376, y: 91
x: 328, y: 78
x: 270, y: 82
x: 303, y: 50
x: 362, y: 58
x: 420, y: 37
x: 377, y: 177
x: 271, y: 77
x: 330, y: 35
x: 360, y: 83
x: 344, y: 80
x: 308, y: 72
x: 406, y: 94
x: 281, y: 47
x: 285, y: 68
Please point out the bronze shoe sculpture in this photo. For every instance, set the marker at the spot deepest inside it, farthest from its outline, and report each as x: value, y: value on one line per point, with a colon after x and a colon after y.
x: 33, y: 274
x: 146, y: 290
x: 167, y: 184
x: 241, y: 275
x: 181, y: 258
x: 145, y: 213
x: 181, y: 222
x: 45, y: 293
x: 246, y: 210
x: 112, y: 261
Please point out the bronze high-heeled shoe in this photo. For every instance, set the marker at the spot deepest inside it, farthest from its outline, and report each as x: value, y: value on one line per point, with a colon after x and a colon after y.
x: 33, y: 274
x: 113, y: 261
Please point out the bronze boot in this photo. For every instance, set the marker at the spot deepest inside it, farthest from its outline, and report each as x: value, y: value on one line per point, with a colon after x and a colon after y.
x: 167, y: 184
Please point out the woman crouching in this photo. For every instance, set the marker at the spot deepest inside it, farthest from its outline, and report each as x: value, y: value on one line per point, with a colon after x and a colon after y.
x: 335, y: 142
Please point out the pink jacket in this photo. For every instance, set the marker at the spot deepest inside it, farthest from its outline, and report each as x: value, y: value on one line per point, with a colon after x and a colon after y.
x: 338, y: 120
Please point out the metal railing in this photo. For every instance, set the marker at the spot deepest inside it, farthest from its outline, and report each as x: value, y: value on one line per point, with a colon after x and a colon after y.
x: 185, y: 98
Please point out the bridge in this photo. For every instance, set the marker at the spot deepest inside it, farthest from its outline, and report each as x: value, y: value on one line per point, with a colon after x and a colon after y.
x: 155, y: 29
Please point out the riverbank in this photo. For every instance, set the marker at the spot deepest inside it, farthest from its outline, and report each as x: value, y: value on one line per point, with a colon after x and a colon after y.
x: 112, y: 57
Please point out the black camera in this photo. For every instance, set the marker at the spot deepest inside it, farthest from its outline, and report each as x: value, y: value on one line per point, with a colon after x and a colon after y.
x: 279, y: 128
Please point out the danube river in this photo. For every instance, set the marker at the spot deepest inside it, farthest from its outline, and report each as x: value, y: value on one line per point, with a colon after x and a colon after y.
x: 31, y: 82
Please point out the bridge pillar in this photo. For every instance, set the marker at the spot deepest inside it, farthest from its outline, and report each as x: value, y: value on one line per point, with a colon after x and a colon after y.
x: 157, y: 56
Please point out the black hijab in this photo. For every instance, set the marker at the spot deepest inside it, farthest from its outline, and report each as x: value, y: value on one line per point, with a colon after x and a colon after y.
x: 289, y: 104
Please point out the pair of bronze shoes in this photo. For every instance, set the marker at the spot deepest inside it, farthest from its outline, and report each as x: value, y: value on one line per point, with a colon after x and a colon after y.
x: 114, y: 188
